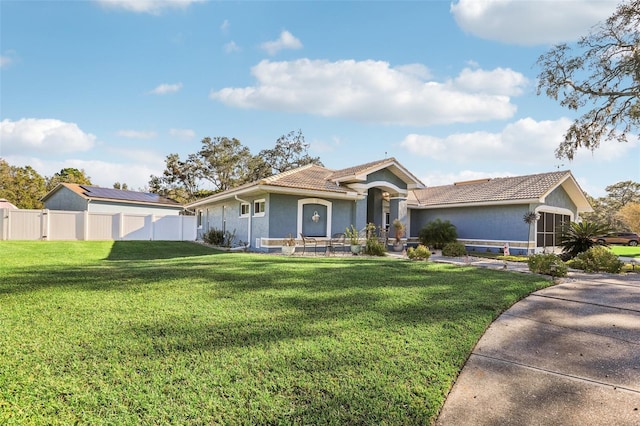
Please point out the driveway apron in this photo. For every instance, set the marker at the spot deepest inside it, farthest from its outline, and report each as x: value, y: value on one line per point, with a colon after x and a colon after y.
x: 566, y: 355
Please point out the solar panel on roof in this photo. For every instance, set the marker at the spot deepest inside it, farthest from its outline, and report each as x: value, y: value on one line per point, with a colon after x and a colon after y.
x: 118, y: 194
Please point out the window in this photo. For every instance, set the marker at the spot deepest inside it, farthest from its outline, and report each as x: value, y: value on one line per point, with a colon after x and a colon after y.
x: 549, y: 228
x: 244, y: 209
x: 259, y: 207
x: 199, y: 218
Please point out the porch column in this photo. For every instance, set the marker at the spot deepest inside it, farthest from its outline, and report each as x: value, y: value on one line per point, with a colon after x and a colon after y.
x: 397, y: 210
x: 360, y: 214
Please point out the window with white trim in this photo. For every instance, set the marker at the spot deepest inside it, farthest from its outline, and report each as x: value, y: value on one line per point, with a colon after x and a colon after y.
x: 259, y: 207
x: 244, y: 209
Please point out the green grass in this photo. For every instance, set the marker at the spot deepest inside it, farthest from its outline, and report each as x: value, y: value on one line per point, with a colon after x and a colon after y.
x: 626, y: 251
x: 175, y: 333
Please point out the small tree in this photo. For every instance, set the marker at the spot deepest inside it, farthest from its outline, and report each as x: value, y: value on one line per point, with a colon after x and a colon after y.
x: 438, y: 233
x: 579, y: 237
x: 530, y: 218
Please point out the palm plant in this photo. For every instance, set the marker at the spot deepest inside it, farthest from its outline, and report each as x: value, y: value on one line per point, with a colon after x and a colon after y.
x: 530, y: 218
x: 579, y: 237
x: 438, y: 233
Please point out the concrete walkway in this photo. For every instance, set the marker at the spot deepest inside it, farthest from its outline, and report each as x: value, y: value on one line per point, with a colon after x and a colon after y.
x: 566, y: 355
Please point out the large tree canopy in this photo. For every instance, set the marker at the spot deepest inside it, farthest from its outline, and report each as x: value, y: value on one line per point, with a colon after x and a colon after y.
x: 68, y: 175
x: 606, y: 210
x: 603, y: 70
x: 225, y: 163
x: 22, y: 186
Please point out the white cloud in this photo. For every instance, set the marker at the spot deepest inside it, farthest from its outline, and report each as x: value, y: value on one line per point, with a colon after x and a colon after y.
x: 153, y: 7
x: 500, y: 81
x: 530, y: 22
x: 5, y: 61
x: 524, y: 142
x: 285, y: 41
x: 372, y: 91
x: 182, y: 134
x: 136, y: 134
x: 43, y: 135
x: 231, y: 47
x: 164, y: 89
x: 224, y: 27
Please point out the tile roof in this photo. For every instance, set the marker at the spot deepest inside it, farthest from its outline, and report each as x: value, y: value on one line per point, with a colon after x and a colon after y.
x: 111, y: 194
x: 488, y: 190
x: 311, y: 177
x: 356, y: 170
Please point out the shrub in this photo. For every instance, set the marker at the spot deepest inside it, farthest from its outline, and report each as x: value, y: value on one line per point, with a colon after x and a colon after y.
x: 438, y: 233
x: 418, y: 253
x: 547, y: 264
x: 454, y: 249
x: 579, y: 237
x: 214, y: 236
x: 374, y: 247
x: 597, y: 259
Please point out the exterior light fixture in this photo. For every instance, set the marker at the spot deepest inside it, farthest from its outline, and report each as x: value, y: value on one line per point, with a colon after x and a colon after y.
x: 315, y: 217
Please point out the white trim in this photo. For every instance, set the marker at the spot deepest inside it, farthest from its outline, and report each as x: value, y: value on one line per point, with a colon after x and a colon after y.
x: 244, y: 215
x: 362, y: 187
x: 260, y: 213
x: 302, y: 202
x: 554, y: 210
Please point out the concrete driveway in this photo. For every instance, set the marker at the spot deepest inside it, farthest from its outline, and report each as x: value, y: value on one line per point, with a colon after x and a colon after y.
x: 565, y: 355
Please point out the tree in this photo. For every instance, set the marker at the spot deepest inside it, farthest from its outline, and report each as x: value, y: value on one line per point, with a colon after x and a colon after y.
x: 630, y: 215
x: 602, y: 69
x: 22, y: 186
x: 118, y: 185
x: 606, y: 209
x: 180, y: 180
x: 224, y: 162
x: 68, y: 175
x: 291, y: 151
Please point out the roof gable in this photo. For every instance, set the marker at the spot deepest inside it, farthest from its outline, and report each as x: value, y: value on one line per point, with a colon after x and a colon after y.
x: 359, y: 173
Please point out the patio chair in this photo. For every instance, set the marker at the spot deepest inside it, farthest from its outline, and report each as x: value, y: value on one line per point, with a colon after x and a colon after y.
x: 309, y: 241
x: 338, y: 241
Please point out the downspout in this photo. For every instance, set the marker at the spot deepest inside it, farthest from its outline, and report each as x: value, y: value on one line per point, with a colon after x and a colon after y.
x: 250, y: 214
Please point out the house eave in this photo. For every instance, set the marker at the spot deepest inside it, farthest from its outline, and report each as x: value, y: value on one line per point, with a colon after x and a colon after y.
x: 419, y: 206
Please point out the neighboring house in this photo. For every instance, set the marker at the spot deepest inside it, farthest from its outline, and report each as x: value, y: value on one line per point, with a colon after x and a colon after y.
x: 319, y: 202
x: 5, y: 204
x: 94, y: 199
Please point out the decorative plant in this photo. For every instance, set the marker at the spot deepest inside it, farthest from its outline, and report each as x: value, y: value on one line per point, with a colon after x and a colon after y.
x: 289, y: 241
x: 418, y: 253
x: 438, y: 233
x: 530, y: 218
x: 579, y: 237
x: 353, y: 235
x: 399, y: 229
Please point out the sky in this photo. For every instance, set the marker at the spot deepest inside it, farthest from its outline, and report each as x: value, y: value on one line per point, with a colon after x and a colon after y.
x: 448, y: 88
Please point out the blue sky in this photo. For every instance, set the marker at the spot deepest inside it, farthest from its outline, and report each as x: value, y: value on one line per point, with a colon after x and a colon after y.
x: 447, y: 88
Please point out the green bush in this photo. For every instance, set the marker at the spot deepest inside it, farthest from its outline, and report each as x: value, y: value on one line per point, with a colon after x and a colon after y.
x: 438, y: 233
x: 454, y: 249
x: 374, y: 247
x: 214, y: 236
x: 418, y: 253
x: 547, y: 264
x: 597, y: 259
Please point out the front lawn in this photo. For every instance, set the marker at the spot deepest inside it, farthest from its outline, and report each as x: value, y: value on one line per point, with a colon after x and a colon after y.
x: 175, y: 333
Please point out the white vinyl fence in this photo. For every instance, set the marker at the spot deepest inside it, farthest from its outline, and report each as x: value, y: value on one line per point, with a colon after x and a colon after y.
x: 72, y: 225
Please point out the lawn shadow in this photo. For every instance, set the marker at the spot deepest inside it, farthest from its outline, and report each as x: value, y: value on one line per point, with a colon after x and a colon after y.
x: 149, y: 250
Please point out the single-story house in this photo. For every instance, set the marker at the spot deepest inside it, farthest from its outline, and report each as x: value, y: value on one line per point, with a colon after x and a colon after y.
x: 94, y: 199
x: 319, y: 202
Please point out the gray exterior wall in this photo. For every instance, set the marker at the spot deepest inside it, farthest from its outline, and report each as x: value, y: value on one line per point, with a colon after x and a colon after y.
x: 65, y: 199
x: 560, y: 198
x: 386, y: 175
x: 482, y: 223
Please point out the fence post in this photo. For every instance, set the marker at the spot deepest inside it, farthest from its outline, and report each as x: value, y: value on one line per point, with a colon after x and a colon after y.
x: 85, y: 234
x: 120, y: 225
x: 44, y: 225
